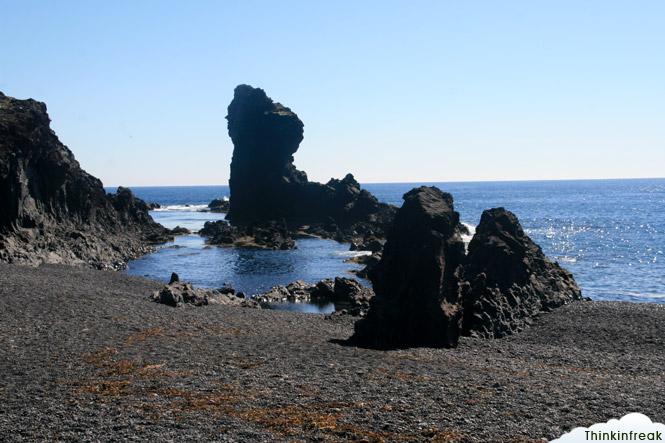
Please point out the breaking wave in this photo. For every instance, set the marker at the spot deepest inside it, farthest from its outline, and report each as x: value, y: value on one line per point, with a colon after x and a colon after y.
x: 183, y: 208
x: 466, y: 238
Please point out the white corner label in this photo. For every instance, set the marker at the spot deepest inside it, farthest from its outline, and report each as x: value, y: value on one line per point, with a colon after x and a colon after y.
x: 630, y: 428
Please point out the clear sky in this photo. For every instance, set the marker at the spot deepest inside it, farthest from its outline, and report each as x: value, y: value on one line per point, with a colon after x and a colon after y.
x: 391, y: 91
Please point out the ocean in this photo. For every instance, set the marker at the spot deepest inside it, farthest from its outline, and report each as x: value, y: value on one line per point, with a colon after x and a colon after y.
x: 609, y: 233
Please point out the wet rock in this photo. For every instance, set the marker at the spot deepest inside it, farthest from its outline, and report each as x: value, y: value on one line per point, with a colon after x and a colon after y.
x: 299, y: 291
x: 296, y: 292
x: 226, y: 289
x: 178, y: 293
x: 352, y: 297
x: 370, y: 262
x: 369, y: 243
x: 417, y: 302
x: 179, y: 230
x: 154, y: 205
x: 507, y: 278
x: 347, y: 294
x: 51, y: 210
x: 267, y: 236
x: 323, y: 291
x: 219, y: 205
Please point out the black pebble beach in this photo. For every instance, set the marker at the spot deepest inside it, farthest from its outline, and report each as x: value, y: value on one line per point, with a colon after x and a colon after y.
x: 85, y: 356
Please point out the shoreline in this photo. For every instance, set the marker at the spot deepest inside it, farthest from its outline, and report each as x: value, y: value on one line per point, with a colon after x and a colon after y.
x: 87, y: 356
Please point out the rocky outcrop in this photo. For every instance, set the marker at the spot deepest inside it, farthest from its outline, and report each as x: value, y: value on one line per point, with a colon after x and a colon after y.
x: 368, y: 243
x: 179, y: 230
x: 219, y: 205
x: 266, y: 186
x: 51, y: 210
x: 429, y: 293
x: 178, y: 293
x: 295, y: 292
x: 370, y: 262
x: 507, y: 279
x: 351, y: 297
x: 417, y: 301
x: 271, y: 235
x: 346, y: 294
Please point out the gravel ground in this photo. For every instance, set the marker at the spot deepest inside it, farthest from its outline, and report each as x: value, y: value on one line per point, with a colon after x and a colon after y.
x: 85, y: 356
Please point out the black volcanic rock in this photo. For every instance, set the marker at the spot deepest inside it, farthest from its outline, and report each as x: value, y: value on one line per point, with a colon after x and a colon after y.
x: 178, y: 293
x: 429, y: 293
x: 53, y: 211
x: 179, y: 230
x: 417, y: 301
x: 266, y: 186
x: 270, y: 235
x: 351, y: 296
x: 219, y: 205
x: 508, y: 279
x: 347, y: 294
x: 265, y: 136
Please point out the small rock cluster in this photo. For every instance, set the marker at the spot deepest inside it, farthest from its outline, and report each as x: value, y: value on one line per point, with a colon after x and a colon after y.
x: 270, y: 235
x: 219, y: 205
x: 348, y: 295
x: 177, y: 293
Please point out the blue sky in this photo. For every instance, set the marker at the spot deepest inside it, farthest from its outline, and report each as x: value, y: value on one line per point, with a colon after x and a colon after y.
x: 390, y: 91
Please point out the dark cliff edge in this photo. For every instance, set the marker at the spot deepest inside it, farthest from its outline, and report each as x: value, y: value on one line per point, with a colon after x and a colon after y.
x: 268, y: 190
x: 52, y: 211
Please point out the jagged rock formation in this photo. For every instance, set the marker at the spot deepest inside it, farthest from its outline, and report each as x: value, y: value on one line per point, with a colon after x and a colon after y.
x: 178, y: 293
x: 428, y: 292
x: 351, y: 297
x: 270, y: 235
x: 266, y: 186
x: 370, y: 262
x: 219, y: 205
x: 53, y: 211
x: 507, y: 278
x: 295, y: 292
x: 417, y: 301
x: 346, y: 294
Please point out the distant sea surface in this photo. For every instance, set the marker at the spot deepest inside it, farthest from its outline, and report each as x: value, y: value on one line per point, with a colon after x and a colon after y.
x: 609, y: 233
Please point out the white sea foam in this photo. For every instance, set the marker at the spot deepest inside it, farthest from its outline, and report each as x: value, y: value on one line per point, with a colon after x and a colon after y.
x: 466, y: 238
x: 641, y: 295
x: 353, y: 253
x: 567, y: 259
x: 183, y: 208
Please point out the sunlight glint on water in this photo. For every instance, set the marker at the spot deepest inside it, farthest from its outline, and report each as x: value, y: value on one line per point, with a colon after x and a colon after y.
x: 609, y: 233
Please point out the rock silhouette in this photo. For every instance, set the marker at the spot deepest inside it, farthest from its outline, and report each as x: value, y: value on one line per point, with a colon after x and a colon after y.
x: 52, y: 210
x: 266, y: 187
x: 417, y: 302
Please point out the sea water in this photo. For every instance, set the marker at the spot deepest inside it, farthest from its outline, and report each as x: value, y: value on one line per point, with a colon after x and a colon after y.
x: 609, y: 233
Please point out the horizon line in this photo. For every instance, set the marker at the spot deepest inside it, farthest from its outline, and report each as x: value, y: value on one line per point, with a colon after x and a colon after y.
x: 422, y: 182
